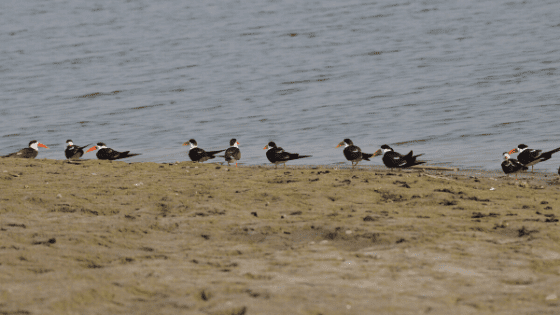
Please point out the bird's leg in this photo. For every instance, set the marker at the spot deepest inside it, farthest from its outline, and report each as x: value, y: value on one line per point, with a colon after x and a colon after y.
x: 532, y: 168
x: 235, y: 164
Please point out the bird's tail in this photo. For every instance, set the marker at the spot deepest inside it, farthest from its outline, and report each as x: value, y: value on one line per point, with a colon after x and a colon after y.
x: 552, y: 152
x: 410, y: 158
x: 366, y: 156
x: 413, y: 163
x: 297, y: 156
x: 547, y: 155
x: 214, y: 152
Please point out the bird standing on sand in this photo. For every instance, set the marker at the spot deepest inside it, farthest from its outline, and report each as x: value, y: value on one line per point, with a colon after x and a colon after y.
x: 28, y: 153
x: 74, y: 152
x: 392, y: 159
x: 233, y: 154
x: 530, y: 157
x: 199, y: 155
x: 105, y: 153
x: 277, y: 155
x: 512, y: 166
x: 354, y: 154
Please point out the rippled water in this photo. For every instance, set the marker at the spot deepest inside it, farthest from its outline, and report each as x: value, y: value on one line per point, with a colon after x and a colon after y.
x: 461, y: 81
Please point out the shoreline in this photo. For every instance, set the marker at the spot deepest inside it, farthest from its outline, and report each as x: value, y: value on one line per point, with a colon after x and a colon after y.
x: 548, y: 178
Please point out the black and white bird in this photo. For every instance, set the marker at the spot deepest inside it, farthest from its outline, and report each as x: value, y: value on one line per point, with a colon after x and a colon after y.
x: 233, y: 154
x: 512, y: 166
x: 277, y: 155
x: 74, y: 152
x: 530, y: 157
x: 392, y: 159
x: 354, y: 154
x: 105, y: 153
x: 28, y: 153
x: 199, y: 155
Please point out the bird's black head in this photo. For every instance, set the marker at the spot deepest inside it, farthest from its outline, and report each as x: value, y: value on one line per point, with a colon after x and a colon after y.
x: 193, y: 142
x: 101, y: 144
x: 69, y: 140
x: 522, y: 146
x: 232, y: 142
x: 348, y: 142
x: 271, y: 144
x: 386, y: 147
x: 32, y: 141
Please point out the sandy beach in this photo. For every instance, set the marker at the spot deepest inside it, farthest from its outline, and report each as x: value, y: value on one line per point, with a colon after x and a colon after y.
x: 101, y: 237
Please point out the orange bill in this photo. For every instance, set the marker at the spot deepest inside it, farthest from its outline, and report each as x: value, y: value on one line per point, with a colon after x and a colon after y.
x: 92, y: 149
x: 42, y: 145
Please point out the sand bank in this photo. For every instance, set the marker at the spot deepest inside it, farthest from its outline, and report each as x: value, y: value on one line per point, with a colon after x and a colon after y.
x: 145, y: 238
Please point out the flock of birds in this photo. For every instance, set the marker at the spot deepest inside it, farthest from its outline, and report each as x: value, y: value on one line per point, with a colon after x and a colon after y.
x: 276, y: 155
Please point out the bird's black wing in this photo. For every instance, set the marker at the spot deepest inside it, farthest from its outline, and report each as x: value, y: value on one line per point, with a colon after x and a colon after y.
x: 352, y: 153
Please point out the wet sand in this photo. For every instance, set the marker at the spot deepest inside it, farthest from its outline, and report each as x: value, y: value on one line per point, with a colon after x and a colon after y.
x: 104, y: 237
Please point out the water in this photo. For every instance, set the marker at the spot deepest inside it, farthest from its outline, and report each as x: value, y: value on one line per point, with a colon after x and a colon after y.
x: 461, y: 81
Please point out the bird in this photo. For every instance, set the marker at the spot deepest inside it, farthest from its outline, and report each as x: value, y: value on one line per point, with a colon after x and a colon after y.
x: 392, y: 159
x: 74, y: 152
x: 354, y: 154
x: 530, y: 157
x: 105, y: 153
x: 512, y: 166
x: 232, y: 154
x: 197, y: 154
x: 28, y: 153
x: 277, y: 155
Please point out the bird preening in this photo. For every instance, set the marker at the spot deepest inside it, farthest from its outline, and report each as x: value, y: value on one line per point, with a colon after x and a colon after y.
x: 512, y: 166
x: 74, y: 152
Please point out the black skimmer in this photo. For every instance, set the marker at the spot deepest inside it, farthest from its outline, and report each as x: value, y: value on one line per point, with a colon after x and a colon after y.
x: 74, y: 152
x: 354, y: 154
x: 277, y: 155
x: 512, y: 166
x: 233, y: 154
x: 105, y: 153
x: 530, y: 157
x: 392, y: 159
x: 28, y: 153
x: 197, y: 154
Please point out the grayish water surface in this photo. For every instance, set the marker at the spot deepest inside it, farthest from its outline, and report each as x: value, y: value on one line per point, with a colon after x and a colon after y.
x: 461, y: 81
